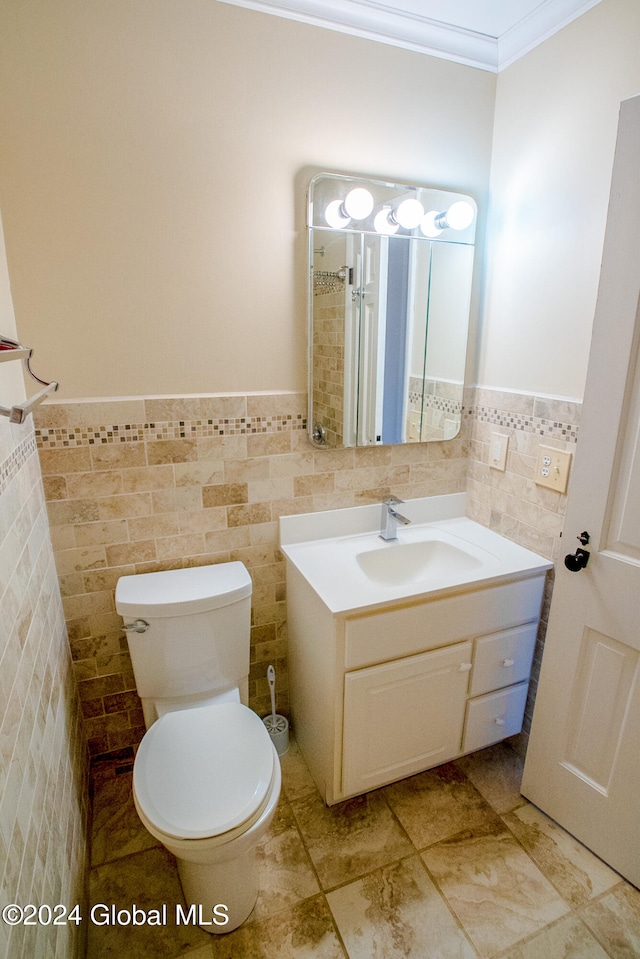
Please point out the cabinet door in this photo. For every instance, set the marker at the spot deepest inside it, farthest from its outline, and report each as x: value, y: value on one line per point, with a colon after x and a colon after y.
x: 403, y: 717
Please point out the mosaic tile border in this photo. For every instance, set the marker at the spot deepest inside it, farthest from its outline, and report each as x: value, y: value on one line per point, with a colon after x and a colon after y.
x: 431, y: 402
x: 524, y: 421
x: 10, y: 467
x: 71, y: 437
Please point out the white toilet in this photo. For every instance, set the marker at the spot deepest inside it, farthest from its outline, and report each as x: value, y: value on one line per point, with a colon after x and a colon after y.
x: 206, y: 778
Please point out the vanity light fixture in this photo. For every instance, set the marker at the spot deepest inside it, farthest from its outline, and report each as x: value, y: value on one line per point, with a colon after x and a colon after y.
x: 409, y: 213
x: 334, y: 215
x: 428, y: 224
x: 457, y: 217
x: 385, y: 223
x: 357, y: 205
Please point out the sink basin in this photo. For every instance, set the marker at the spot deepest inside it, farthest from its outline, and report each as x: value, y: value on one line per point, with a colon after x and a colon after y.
x: 341, y: 555
x: 396, y: 563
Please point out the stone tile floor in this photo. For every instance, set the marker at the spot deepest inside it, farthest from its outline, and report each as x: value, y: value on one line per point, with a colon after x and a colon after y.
x: 450, y: 864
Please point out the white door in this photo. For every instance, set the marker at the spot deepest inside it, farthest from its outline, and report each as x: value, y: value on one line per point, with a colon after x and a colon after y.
x: 583, y: 762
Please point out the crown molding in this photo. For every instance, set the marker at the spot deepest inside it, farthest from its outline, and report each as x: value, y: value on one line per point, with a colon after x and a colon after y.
x: 546, y: 20
x: 377, y: 21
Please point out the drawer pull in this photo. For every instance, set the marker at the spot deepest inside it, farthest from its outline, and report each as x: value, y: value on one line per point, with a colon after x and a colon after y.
x: 508, y: 662
x: 464, y: 667
x: 499, y: 722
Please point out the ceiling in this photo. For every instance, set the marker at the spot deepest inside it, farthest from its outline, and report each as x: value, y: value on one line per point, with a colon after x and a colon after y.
x: 488, y: 34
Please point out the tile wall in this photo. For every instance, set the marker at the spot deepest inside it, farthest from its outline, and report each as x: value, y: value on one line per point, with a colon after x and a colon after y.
x: 43, y: 753
x: 328, y: 355
x: 435, y: 408
x: 510, y: 502
x: 135, y: 485
x: 146, y: 484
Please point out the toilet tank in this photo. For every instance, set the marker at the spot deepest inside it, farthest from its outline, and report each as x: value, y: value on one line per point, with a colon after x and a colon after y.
x: 199, y: 621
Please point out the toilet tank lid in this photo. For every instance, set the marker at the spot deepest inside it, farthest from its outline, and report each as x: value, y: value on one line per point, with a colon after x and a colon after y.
x: 176, y: 592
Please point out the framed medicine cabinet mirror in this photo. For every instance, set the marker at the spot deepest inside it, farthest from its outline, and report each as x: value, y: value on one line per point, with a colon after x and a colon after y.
x: 390, y: 271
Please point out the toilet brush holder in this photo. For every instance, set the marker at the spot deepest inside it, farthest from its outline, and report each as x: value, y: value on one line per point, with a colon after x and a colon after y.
x: 278, y: 729
x: 277, y: 726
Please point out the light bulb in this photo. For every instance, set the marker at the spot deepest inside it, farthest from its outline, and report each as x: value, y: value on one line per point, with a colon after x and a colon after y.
x: 459, y: 215
x: 358, y: 203
x: 384, y: 224
x: 409, y: 213
x: 428, y: 224
x: 334, y: 215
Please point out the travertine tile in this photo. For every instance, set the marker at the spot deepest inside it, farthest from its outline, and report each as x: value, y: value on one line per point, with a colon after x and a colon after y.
x: 615, y: 920
x: 140, y: 478
x: 437, y: 804
x: 117, y: 830
x: 576, y: 873
x: 171, y: 451
x: 285, y: 872
x: 81, y: 485
x: 122, y: 456
x: 297, y: 782
x: 350, y: 839
x: 43, y: 758
x: 225, y: 494
x: 568, y: 938
x: 247, y: 515
x: 125, y: 505
x: 496, y: 891
x: 304, y: 931
x: 149, y: 880
x: 496, y: 772
x: 101, y: 533
x: 397, y: 913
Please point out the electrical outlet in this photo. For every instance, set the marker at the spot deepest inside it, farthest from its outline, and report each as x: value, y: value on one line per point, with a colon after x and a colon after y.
x: 498, y: 447
x: 552, y: 468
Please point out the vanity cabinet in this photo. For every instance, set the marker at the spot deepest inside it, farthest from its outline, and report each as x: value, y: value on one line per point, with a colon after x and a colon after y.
x: 391, y: 691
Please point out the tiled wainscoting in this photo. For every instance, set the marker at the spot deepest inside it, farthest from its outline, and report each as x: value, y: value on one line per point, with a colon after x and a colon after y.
x: 142, y: 484
x: 146, y: 484
x: 43, y: 756
x: 510, y: 502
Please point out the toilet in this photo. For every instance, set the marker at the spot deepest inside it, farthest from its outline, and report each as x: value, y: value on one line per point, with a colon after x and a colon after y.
x: 206, y: 778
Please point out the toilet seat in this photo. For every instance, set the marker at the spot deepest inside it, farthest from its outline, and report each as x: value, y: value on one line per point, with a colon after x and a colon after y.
x: 204, y: 772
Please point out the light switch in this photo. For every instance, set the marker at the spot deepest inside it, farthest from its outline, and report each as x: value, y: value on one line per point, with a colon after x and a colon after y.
x: 552, y: 468
x: 498, y: 446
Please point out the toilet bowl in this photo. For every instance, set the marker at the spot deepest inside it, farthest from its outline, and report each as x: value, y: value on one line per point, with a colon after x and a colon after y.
x: 206, y: 784
x: 206, y: 777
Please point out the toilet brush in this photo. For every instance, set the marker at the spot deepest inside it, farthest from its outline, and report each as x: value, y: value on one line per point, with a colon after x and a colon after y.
x: 277, y: 726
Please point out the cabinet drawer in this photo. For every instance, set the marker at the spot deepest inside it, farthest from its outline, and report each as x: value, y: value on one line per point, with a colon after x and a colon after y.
x: 380, y: 636
x: 502, y: 659
x: 494, y: 717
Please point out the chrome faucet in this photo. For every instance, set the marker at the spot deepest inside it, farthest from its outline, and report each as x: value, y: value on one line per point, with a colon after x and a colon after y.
x: 390, y: 519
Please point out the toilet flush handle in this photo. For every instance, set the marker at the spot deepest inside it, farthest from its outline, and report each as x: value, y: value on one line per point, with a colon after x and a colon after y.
x: 137, y: 626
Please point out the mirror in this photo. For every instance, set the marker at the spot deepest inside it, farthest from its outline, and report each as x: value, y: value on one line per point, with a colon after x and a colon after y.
x: 390, y: 271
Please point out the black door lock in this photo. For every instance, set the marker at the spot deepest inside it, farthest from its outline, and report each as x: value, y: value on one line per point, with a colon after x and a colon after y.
x: 578, y: 560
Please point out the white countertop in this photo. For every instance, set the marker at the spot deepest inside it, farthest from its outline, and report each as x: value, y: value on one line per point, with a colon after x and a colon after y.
x: 446, y: 551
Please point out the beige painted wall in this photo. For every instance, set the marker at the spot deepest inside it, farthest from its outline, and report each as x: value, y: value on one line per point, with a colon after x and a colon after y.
x: 11, y: 380
x: 555, y: 129
x: 153, y: 174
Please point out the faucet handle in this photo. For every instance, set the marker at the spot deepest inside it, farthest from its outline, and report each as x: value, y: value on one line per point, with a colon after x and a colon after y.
x: 392, y: 501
